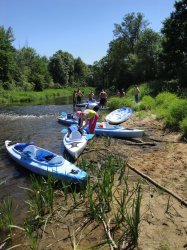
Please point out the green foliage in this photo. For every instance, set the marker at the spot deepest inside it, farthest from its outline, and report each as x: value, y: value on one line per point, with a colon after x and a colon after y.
x: 174, y: 43
x: 15, y: 96
x: 183, y: 125
x: 7, y: 54
x: 177, y: 111
x: 165, y: 99
x: 130, y: 29
x: 6, y: 220
x: 147, y: 103
x: 61, y: 67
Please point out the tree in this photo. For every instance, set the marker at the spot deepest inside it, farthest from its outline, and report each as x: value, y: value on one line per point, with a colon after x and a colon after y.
x: 7, y: 56
x: 81, y: 71
x: 130, y: 29
x: 175, y: 43
x: 33, y: 70
x: 148, y: 49
x: 61, y: 67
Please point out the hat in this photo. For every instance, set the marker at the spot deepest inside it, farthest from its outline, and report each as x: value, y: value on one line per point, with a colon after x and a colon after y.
x: 79, y: 113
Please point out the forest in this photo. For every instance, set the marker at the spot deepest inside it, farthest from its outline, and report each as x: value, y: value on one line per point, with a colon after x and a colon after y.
x: 137, y: 54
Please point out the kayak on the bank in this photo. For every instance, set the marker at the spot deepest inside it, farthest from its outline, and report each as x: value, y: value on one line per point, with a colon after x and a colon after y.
x: 118, y: 131
x: 119, y: 115
x: 43, y: 162
x: 106, y: 129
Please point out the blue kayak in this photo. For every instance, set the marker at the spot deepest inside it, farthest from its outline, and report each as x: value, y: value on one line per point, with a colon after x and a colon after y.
x: 67, y: 119
x: 85, y: 104
x: 106, y: 129
x: 43, y: 162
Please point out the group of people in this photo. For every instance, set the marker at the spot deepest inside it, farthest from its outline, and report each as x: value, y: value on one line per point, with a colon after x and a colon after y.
x: 121, y: 93
x: 89, y: 117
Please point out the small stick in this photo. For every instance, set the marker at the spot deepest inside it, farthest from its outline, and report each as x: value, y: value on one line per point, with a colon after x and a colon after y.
x: 107, y: 230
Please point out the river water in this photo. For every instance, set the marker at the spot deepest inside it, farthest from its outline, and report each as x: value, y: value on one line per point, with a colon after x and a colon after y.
x: 36, y: 123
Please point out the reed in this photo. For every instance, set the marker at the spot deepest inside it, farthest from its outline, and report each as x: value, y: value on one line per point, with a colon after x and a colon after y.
x: 6, y: 220
x: 92, y: 206
x: 130, y: 215
x: 30, y: 232
x: 41, y: 195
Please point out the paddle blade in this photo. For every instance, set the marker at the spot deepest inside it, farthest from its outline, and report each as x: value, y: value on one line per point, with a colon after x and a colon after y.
x: 64, y: 130
x: 63, y: 113
x: 89, y: 136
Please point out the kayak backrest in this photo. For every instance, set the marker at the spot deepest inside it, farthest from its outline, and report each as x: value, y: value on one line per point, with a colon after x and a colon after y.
x: 57, y: 160
x: 75, y: 135
x: 30, y: 150
x: 44, y: 155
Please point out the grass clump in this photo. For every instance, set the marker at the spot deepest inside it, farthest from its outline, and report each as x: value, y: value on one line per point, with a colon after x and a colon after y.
x: 147, y: 103
x: 6, y: 217
x: 183, y: 125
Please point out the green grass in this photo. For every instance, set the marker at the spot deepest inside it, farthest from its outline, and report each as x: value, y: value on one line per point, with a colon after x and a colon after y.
x: 167, y: 106
x: 15, y: 96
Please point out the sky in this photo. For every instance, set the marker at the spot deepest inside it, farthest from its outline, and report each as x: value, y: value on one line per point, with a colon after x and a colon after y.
x: 83, y: 28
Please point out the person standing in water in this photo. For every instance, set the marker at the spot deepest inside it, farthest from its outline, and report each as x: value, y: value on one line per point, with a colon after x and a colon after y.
x: 91, y: 96
x: 79, y: 95
x: 103, y: 98
x: 74, y: 98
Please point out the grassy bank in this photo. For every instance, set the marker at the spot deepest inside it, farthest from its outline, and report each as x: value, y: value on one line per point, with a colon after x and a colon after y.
x: 16, y: 97
x: 167, y: 106
x: 110, y: 195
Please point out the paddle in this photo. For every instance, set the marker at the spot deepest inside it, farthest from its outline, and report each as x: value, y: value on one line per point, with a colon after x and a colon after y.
x: 64, y: 130
x: 63, y: 113
x: 89, y: 136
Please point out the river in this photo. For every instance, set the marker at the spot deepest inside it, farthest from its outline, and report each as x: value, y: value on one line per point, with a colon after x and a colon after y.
x: 36, y: 123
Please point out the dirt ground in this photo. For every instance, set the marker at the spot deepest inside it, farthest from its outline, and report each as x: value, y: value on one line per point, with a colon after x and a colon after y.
x: 161, y: 155
x: 166, y: 163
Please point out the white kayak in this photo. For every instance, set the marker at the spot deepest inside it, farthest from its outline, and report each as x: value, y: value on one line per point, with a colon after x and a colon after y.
x: 119, y: 115
x: 43, y: 162
x: 75, y: 143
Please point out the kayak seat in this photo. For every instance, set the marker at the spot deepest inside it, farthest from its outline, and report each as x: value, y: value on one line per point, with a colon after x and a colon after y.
x: 42, y: 155
x: 21, y: 146
x: 30, y: 150
x: 107, y: 125
x: 75, y: 135
x: 56, y: 160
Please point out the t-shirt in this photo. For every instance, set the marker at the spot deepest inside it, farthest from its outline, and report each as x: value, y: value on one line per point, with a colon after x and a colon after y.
x: 90, y: 113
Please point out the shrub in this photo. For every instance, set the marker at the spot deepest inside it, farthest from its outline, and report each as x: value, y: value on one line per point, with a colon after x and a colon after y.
x: 177, y: 111
x: 183, y: 125
x: 165, y: 99
x: 147, y: 102
x: 115, y: 102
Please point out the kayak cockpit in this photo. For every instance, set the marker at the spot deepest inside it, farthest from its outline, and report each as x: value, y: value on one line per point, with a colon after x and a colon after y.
x: 39, y: 154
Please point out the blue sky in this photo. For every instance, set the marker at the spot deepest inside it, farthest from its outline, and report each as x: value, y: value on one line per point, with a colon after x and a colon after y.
x: 83, y: 28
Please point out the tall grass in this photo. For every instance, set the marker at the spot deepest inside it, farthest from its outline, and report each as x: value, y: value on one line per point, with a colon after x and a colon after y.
x: 107, y: 196
x: 41, y: 195
x: 16, y: 96
x: 6, y: 217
